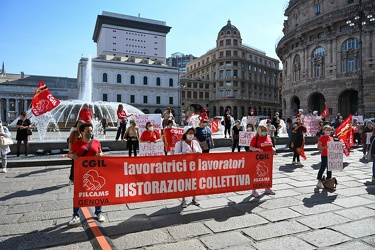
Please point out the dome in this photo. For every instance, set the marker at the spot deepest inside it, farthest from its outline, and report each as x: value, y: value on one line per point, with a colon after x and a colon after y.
x: 229, y: 29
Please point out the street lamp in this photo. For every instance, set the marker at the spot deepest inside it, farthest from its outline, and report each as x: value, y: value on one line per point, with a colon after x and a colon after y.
x: 362, y: 14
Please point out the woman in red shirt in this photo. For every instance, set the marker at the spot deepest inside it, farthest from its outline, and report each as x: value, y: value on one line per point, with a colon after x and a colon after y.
x: 323, y: 146
x: 121, y: 121
x: 262, y: 142
x: 150, y: 135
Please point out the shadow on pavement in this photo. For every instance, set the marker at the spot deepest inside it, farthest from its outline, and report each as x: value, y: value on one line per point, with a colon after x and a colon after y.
x: 28, y: 193
x: 45, y: 170
x: 370, y: 187
x: 319, y: 198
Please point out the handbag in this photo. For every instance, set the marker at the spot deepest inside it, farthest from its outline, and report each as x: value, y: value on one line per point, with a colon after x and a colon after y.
x: 369, y: 154
x: 29, y: 132
x: 330, y: 183
x: 5, y: 141
x: 204, y: 145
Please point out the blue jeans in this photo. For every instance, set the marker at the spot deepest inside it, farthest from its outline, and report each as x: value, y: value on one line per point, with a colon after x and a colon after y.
x: 323, y: 166
x: 98, y: 210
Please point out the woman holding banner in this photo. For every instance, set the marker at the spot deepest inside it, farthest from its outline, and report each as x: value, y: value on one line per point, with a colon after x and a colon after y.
x: 188, y: 146
x: 262, y: 143
x: 150, y: 135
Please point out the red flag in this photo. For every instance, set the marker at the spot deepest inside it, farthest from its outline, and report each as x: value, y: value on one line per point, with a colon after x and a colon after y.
x: 325, y: 113
x: 301, y: 151
x: 215, y: 126
x: 43, y: 100
x: 344, y: 133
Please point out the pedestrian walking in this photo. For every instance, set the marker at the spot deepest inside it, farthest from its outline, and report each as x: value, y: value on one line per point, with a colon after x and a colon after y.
x: 188, y: 145
x: 23, y: 127
x: 4, y: 149
x: 262, y: 143
x: 323, y: 147
x: 87, y: 146
x: 367, y: 130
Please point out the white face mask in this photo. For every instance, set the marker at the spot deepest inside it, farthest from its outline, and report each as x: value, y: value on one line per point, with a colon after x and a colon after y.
x: 190, y: 136
x: 151, y: 128
x: 249, y: 129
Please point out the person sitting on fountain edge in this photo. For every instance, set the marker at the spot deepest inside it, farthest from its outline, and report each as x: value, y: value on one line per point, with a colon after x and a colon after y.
x: 85, y: 114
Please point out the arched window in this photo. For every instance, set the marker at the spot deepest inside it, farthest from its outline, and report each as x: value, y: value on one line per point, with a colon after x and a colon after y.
x: 132, y: 79
x: 145, y: 80
x: 105, y: 77
x: 158, y: 81
x: 118, y: 78
x: 297, y: 68
x: 349, y: 55
x: 170, y: 82
x: 317, y: 63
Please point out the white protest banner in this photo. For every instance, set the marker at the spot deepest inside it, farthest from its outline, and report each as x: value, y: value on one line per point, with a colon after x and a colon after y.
x: 151, y: 148
x: 252, y: 120
x: 245, y: 138
x: 368, y: 136
x: 335, y: 155
x: 142, y: 119
x: 359, y: 118
x: 312, y: 124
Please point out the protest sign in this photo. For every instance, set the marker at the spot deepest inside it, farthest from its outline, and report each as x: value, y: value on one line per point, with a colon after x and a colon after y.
x: 142, y: 119
x: 312, y: 124
x: 151, y: 148
x: 335, y: 155
x: 245, y: 138
x: 172, y: 135
x: 111, y: 180
x: 252, y: 120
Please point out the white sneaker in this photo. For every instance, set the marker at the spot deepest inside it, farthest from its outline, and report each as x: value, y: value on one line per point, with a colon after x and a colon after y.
x: 320, y: 185
x: 294, y: 163
x: 4, y: 170
x: 299, y: 164
x: 100, y: 217
x: 75, y: 221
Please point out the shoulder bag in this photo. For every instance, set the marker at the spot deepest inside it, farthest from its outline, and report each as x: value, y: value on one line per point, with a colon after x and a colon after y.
x: 330, y: 183
x: 369, y: 154
x: 204, y: 144
x: 88, y: 148
x: 5, y: 141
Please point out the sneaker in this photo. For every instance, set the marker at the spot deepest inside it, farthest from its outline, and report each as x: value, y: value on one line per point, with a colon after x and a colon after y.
x: 294, y: 163
x: 100, y: 217
x: 183, y: 204
x: 195, y: 202
x: 320, y: 185
x: 269, y: 191
x: 255, y: 194
x: 75, y: 221
x: 71, y: 182
x: 299, y: 164
x: 4, y: 170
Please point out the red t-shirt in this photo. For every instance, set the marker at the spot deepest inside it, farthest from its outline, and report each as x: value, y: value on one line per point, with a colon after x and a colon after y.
x: 121, y: 114
x: 150, y: 136
x: 324, y: 140
x: 79, y: 147
x: 85, y: 115
x: 264, y: 142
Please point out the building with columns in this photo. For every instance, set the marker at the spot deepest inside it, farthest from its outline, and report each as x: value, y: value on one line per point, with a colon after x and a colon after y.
x: 130, y: 66
x: 17, y: 91
x: 323, y: 60
x: 232, y: 75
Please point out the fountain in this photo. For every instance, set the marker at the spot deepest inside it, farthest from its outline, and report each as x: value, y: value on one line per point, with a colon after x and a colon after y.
x: 66, y: 114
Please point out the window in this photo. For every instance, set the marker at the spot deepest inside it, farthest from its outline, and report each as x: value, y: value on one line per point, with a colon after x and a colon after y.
x: 350, y: 44
x: 317, y: 63
x: 228, y: 84
x: 132, y: 98
x: 145, y: 80
x: 317, y: 9
x: 105, y: 77
x: 228, y: 72
x: 228, y: 64
x: 105, y: 98
x: 158, y: 81
x: 318, y: 52
x: 228, y: 53
x: 351, y: 67
x: 158, y: 100
x: 227, y: 42
x: 170, y: 100
x: 235, y: 42
x: 221, y: 43
x: 132, y: 79
x: 170, y: 82
x: 118, y: 78
x: 144, y: 99
x: 118, y: 98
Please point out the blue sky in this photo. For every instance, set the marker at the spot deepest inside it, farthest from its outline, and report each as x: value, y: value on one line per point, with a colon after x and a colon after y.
x: 45, y: 37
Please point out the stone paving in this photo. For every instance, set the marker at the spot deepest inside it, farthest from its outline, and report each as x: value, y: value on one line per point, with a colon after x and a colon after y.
x: 36, y: 204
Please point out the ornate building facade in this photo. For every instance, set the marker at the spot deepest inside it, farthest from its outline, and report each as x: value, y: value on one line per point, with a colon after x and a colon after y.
x: 321, y: 56
x: 231, y: 75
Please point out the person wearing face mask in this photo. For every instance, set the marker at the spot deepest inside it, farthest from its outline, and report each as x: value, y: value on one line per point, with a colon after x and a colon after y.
x: 87, y: 146
x: 297, y: 141
x: 249, y: 128
x: 262, y: 143
x: 236, y: 136
x: 188, y: 145
x: 365, y: 133
x: 323, y: 147
x: 4, y: 150
x: 271, y: 131
x: 251, y: 112
x: 132, y: 138
x: 204, y: 136
x: 150, y: 135
x: 227, y: 123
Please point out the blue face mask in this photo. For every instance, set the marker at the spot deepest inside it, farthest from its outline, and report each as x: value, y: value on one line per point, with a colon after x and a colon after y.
x: 264, y: 133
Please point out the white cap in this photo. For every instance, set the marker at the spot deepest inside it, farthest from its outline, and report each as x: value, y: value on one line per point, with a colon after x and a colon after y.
x: 300, y: 110
x: 315, y: 112
x: 186, y: 128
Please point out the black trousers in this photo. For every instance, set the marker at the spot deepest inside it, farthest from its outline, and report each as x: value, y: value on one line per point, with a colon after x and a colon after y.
x: 121, y: 130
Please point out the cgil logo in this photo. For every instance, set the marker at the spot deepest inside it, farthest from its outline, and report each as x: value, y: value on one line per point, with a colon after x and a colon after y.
x: 93, y: 163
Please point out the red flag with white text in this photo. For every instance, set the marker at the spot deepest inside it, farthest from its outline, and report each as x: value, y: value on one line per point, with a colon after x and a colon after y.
x: 215, y: 126
x: 344, y: 133
x: 43, y: 100
x: 325, y: 113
